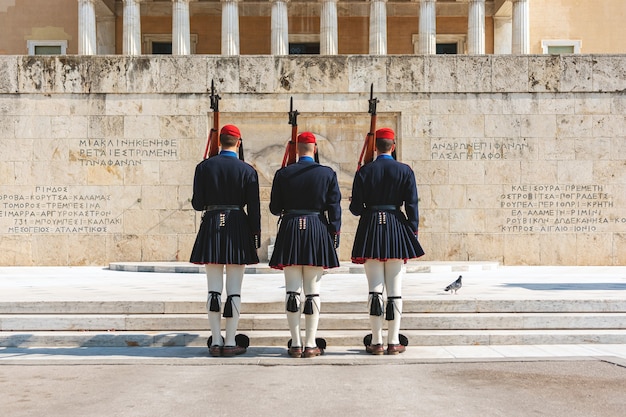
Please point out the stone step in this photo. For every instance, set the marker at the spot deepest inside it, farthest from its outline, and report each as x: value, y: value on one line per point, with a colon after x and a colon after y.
x: 328, y: 321
x: 333, y: 337
x: 450, y: 304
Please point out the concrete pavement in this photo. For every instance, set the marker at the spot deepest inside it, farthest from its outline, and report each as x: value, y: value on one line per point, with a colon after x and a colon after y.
x: 573, y: 380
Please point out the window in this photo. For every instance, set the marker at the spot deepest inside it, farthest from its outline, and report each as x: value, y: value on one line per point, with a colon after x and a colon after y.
x: 162, y: 44
x: 446, y: 48
x: 304, y: 44
x: 304, y: 48
x: 46, y: 47
x: 561, y: 47
x: 446, y: 44
x: 162, y: 48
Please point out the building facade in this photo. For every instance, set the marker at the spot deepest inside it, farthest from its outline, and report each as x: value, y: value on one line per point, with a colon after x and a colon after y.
x: 520, y: 157
x: 326, y: 27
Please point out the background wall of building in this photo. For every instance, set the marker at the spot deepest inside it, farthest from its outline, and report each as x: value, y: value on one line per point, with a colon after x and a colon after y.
x: 518, y: 159
x: 599, y: 24
x: 23, y: 20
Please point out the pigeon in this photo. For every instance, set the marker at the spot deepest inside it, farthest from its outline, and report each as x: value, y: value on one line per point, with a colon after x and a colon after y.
x: 454, y: 287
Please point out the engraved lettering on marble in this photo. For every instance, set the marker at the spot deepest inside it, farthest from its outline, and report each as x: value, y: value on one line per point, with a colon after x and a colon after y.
x: 542, y: 208
x: 124, y: 152
x: 57, y: 209
x: 484, y: 149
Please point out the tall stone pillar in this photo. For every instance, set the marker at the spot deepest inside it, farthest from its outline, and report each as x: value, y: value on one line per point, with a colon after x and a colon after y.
x: 476, y: 28
x: 105, y: 34
x: 87, y: 41
x: 502, y: 35
x: 280, y: 27
x: 328, y: 28
x: 521, y: 27
x: 378, y: 27
x: 230, y: 27
x: 427, y: 43
x: 181, y: 44
x: 132, y: 28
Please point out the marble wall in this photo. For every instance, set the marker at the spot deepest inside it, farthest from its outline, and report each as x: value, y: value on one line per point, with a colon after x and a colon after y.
x: 518, y: 159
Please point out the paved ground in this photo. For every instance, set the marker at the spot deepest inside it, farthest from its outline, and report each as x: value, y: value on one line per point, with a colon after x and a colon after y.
x: 538, y: 380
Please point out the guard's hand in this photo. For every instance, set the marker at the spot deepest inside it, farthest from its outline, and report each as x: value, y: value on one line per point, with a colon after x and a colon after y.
x: 257, y: 240
x: 336, y: 240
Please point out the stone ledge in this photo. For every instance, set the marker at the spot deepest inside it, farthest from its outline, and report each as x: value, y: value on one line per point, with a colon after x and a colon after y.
x: 263, y: 268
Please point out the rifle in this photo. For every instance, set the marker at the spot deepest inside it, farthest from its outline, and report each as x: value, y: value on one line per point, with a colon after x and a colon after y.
x: 290, y: 150
x: 213, y: 141
x: 367, y: 152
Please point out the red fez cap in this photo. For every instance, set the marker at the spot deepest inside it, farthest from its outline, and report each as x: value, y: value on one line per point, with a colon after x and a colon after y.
x: 306, y: 137
x: 385, y: 133
x: 231, y: 130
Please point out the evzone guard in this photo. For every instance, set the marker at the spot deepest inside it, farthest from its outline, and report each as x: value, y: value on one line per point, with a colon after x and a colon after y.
x: 307, y: 198
x: 226, y: 189
x: 386, y: 237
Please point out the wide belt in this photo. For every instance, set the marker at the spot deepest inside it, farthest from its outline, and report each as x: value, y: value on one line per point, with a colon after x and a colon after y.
x: 302, y: 212
x: 383, y: 207
x: 221, y: 207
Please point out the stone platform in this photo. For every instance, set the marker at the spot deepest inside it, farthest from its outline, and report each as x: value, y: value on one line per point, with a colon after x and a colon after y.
x: 526, y: 309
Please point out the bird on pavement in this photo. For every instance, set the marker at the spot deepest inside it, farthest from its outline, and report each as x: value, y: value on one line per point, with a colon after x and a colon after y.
x: 454, y: 287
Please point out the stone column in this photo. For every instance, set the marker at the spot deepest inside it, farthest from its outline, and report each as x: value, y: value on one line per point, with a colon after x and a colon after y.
x: 378, y: 27
x: 132, y: 28
x: 427, y: 27
x: 181, y: 44
x: 328, y: 28
x: 230, y: 27
x: 476, y: 28
x: 521, y: 27
x: 280, y: 27
x: 502, y: 35
x: 87, y: 40
x: 105, y: 34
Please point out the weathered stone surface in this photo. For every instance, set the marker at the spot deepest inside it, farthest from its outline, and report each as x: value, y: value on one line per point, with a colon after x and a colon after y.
x: 8, y: 75
x: 518, y: 159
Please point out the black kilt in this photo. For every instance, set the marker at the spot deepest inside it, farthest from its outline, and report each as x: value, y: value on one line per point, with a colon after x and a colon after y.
x: 384, y: 235
x: 309, y: 246
x: 229, y: 244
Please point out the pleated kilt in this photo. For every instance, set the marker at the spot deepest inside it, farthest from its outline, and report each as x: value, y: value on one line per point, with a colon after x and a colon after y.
x: 224, y: 238
x: 303, y: 239
x: 384, y: 235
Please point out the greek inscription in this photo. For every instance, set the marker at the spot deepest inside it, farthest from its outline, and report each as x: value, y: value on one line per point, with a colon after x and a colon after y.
x: 62, y: 209
x: 125, y: 152
x: 547, y: 208
x: 484, y: 150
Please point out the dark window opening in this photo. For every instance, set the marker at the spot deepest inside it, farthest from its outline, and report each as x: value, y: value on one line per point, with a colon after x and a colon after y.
x: 47, y: 50
x: 447, y: 48
x: 304, y: 49
x: 162, y: 48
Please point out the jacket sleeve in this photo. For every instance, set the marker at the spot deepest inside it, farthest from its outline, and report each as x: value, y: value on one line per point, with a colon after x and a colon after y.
x: 411, y: 201
x: 333, y: 208
x: 276, y: 199
x: 253, y: 203
x: 356, y: 201
x: 198, y: 200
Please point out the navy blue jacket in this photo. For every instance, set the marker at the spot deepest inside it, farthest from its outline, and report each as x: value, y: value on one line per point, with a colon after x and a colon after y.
x: 386, y: 181
x: 226, y: 180
x: 307, y: 185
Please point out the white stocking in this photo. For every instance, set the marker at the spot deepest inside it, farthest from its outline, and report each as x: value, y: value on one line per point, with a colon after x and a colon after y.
x: 293, y: 283
x: 375, y: 273
x: 312, y: 276
x: 234, y: 280
x: 393, y: 283
x: 215, y: 283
